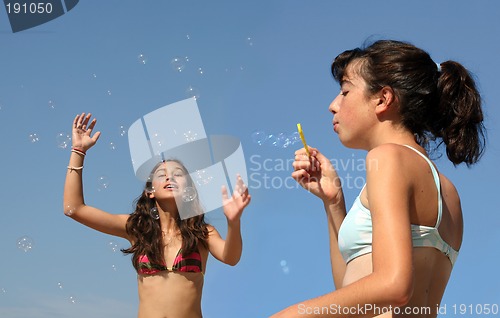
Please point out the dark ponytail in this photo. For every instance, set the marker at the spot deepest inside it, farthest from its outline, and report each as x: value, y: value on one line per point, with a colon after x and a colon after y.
x: 433, y: 103
x: 461, y: 125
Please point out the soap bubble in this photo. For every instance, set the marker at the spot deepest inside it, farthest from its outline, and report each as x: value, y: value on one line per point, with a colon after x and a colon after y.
x: 34, y: 138
x: 200, y: 71
x: 113, y: 267
x: 259, y: 137
x: 190, y: 136
x: 25, y: 243
x: 272, y: 140
x: 103, y: 183
x: 60, y: 285
x: 52, y: 105
x: 112, y: 146
x: 72, y: 299
x: 69, y: 210
x: 294, y: 138
x: 113, y: 246
x: 142, y: 59
x: 63, y: 140
x: 202, y: 177
x: 109, y: 92
x: 192, y: 92
x: 249, y: 41
x: 158, y: 142
x: 188, y: 37
x: 122, y: 130
x: 150, y: 189
x: 284, y: 267
x: 154, y: 213
x: 282, y: 141
x: 177, y: 64
x: 149, y: 186
x: 189, y: 194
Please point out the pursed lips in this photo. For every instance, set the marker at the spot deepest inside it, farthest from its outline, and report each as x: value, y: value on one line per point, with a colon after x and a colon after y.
x: 335, y: 125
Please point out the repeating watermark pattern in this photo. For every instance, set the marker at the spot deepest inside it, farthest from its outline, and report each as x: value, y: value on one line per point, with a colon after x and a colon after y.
x: 25, y: 15
x: 266, y: 173
x: 176, y: 132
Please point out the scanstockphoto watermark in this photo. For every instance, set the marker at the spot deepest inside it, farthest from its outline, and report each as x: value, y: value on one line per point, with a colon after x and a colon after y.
x: 361, y: 310
x: 267, y: 173
x: 454, y: 310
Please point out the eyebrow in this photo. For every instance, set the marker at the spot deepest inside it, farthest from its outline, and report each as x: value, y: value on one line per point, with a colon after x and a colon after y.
x: 345, y: 81
x: 165, y: 170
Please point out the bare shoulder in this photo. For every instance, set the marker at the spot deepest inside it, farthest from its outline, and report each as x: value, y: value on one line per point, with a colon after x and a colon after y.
x: 386, y: 155
x: 212, y: 231
x: 448, y: 187
x: 451, y: 197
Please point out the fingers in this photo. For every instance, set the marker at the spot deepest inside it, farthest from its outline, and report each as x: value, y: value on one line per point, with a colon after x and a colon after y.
x: 82, y: 130
x: 86, y: 121
x: 240, y: 192
x: 82, y: 121
x: 240, y: 188
x: 304, y: 162
x: 96, y: 136
x: 224, y: 194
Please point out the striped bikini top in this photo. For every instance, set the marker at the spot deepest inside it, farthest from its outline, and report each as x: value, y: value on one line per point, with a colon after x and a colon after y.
x: 190, y: 263
x: 355, y: 233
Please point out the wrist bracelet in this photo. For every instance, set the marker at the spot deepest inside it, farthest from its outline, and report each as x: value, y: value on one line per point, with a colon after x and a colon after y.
x: 71, y: 168
x: 78, y: 151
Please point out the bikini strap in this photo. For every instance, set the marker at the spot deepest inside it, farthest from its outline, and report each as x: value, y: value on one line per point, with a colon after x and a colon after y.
x: 438, y: 184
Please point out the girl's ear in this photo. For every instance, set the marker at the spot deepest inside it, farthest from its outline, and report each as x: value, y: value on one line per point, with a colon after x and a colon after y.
x: 386, y: 99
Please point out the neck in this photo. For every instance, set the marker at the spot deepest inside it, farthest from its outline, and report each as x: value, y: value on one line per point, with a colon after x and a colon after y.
x: 391, y: 134
x: 168, y: 216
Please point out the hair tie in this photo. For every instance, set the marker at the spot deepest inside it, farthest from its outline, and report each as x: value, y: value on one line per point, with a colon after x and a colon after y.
x: 439, y: 67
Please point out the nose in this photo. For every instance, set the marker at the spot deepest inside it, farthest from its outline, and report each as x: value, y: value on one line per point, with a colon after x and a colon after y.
x: 334, y: 105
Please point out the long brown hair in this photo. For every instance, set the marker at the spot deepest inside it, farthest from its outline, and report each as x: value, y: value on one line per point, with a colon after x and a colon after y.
x: 146, y: 230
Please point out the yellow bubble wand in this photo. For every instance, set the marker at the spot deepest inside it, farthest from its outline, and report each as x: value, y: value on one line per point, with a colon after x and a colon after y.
x: 301, y: 134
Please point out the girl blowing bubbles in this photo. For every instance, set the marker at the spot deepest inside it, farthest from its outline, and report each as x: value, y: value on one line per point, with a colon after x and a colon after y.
x: 169, y: 254
x: 395, y: 249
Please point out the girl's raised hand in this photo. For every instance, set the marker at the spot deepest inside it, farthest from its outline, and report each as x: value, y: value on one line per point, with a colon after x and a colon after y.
x: 233, y: 206
x: 82, y: 131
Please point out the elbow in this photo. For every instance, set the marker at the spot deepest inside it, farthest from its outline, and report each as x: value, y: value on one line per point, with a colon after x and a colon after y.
x: 400, y: 291
x: 232, y: 262
x: 68, y: 209
x: 401, y: 299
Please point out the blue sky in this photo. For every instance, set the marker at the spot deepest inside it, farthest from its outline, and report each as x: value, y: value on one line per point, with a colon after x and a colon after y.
x: 256, y: 66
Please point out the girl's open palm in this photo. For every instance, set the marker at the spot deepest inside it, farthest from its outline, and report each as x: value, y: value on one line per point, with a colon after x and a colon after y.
x: 82, y: 131
x: 233, y: 206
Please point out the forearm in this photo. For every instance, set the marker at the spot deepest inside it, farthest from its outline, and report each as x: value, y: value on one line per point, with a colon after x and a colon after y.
x: 233, y: 244
x: 335, y: 213
x: 73, y: 186
x: 360, y: 299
